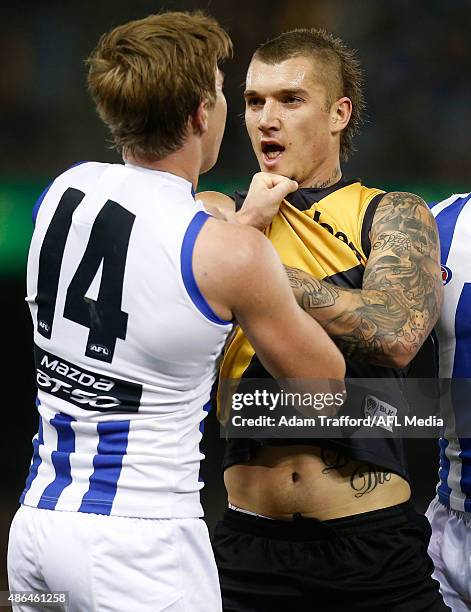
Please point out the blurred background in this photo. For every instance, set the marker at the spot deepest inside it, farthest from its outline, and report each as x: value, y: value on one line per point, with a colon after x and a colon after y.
x: 416, y: 57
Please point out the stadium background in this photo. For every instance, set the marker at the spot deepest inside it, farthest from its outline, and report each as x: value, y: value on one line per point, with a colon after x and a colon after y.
x: 416, y: 57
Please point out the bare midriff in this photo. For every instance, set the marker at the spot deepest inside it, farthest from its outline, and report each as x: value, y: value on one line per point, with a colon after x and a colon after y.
x: 316, y: 483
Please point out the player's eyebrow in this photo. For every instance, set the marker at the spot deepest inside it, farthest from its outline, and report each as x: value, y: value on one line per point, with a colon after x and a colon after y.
x: 297, y: 91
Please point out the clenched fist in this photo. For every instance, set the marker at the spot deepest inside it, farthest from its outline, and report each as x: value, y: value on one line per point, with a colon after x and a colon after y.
x: 264, y: 197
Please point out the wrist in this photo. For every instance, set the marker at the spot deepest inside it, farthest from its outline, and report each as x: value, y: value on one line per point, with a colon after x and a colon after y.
x: 245, y: 216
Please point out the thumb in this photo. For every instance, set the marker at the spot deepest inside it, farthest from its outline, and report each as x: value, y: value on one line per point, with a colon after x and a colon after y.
x: 281, y: 190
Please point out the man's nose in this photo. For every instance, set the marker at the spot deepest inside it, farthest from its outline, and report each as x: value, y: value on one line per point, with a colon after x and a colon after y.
x: 269, y: 118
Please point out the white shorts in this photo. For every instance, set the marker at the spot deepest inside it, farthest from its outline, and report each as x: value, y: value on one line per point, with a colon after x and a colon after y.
x: 450, y: 550
x: 113, y: 564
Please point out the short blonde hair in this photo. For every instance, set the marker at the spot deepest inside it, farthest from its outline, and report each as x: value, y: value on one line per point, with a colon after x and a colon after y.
x: 147, y: 77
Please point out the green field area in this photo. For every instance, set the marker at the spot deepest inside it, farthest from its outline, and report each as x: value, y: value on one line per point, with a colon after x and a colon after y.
x: 17, y: 200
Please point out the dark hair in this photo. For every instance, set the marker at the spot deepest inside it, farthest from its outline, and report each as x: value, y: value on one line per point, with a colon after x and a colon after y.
x: 343, y: 76
x: 147, y: 77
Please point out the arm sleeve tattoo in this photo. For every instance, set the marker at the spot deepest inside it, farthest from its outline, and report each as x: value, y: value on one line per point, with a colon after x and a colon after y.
x: 386, y: 321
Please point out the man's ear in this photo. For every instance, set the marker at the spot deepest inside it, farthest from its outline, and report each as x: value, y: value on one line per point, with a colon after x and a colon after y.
x: 199, y: 119
x: 340, y: 113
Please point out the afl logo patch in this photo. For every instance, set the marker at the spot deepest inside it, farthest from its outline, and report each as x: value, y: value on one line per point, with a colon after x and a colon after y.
x: 446, y: 274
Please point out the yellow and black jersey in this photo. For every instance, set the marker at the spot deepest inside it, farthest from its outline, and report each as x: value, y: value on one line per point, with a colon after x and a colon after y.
x: 325, y: 232
x: 326, y: 235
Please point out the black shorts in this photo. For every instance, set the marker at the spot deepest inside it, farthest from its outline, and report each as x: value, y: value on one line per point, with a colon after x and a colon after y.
x: 371, y: 562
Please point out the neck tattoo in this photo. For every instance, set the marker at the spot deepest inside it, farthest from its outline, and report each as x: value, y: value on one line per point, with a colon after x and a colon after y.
x: 333, y: 178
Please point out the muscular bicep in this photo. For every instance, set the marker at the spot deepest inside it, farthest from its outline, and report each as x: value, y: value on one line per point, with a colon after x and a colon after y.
x: 240, y: 274
x: 404, y: 268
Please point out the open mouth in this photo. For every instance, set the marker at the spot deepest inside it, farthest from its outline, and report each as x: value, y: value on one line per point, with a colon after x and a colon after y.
x: 271, y: 151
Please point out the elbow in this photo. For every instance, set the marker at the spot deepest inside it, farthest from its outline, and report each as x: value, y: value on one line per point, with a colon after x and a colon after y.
x: 338, y: 385
x: 403, y: 362
x: 340, y: 367
x: 401, y: 359
x: 337, y: 366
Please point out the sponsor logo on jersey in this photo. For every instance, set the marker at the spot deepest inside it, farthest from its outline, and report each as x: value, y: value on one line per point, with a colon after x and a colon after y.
x: 340, y: 235
x: 84, y: 388
x: 446, y: 274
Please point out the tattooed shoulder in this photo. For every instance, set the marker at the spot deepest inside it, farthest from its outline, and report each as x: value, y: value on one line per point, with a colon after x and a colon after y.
x: 406, y: 218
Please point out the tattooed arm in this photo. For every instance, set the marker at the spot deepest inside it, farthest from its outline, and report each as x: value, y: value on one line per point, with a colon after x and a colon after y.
x: 386, y: 321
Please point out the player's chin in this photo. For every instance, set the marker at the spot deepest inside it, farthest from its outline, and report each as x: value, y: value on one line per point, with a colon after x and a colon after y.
x: 280, y: 169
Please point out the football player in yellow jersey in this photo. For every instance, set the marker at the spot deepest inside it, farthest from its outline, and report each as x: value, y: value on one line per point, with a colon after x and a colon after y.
x: 316, y: 523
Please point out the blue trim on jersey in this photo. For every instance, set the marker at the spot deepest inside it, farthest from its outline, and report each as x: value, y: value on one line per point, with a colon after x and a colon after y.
x: 462, y: 360
x: 446, y: 221
x: 36, y: 461
x: 186, y: 258
x: 461, y: 388
x: 461, y: 392
x: 443, y: 490
x: 60, y: 460
x: 39, y: 201
x: 207, y: 409
x: 465, y: 480
x: 107, y: 464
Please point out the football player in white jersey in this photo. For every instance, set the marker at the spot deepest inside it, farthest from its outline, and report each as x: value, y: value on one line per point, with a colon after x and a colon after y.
x: 133, y: 288
x: 450, y: 512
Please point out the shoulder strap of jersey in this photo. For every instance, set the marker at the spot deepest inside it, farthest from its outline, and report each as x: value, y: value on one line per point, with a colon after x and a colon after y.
x: 367, y: 223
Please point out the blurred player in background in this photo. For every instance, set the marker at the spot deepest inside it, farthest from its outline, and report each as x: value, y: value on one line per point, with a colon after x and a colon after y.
x: 133, y: 289
x: 450, y: 512
x: 328, y: 523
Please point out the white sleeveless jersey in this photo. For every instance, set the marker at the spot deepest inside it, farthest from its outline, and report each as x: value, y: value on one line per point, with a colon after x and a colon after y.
x: 453, y: 347
x: 125, y: 344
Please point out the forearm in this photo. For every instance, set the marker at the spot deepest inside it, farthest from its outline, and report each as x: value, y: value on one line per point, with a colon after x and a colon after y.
x: 368, y: 324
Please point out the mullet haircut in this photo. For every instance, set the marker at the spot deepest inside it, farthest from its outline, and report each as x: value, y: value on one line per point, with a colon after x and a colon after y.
x: 147, y: 78
x: 343, y: 75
